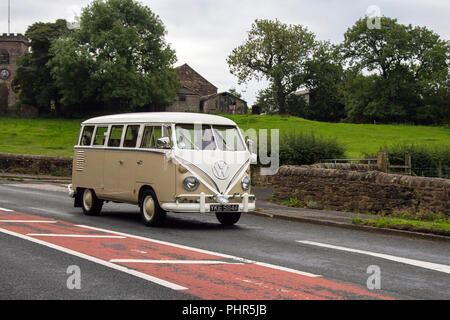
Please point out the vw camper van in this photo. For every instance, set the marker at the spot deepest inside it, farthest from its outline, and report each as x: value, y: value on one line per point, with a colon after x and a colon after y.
x: 163, y: 162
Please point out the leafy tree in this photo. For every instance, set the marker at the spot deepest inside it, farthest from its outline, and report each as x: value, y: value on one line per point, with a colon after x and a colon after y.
x: 234, y: 92
x: 33, y: 81
x: 276, y: 52
x: 324, y: 73
x: 118, y: 57
x: 404, y: 64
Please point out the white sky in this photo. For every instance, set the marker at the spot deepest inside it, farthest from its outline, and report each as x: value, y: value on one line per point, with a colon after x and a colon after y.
x: 204, y: 32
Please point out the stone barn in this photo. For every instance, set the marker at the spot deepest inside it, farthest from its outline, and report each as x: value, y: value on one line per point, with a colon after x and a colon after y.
x: 199, y: 95
x: 224, y: 102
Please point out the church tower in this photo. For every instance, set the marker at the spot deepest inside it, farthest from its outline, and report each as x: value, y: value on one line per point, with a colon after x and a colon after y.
x: 12, y: 46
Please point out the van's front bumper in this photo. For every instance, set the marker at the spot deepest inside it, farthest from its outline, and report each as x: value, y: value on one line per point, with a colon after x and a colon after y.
x: 201, y: 206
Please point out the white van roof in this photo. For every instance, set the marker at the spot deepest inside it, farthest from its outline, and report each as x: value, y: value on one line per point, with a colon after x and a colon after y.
x: 161, y: 117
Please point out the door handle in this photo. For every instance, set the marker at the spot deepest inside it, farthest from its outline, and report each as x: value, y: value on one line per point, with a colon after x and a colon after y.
x: 140, y: 162
x: 120, y: 161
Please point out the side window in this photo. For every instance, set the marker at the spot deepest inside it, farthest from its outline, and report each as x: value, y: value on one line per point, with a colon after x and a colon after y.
x: 86, y: 137
x: 131, y: 137
x: 152, y: 134
x: 115, y: 136
x: 100, y: 136
x: 4, y: 57
x: 148, y: 139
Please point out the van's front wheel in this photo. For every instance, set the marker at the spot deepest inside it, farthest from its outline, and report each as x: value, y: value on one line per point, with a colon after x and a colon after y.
x: 90, y: 204
x: 151, y: 212
x: 228, y: 218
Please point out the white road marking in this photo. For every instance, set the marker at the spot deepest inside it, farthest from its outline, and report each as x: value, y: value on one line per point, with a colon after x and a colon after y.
x: 99, y: 261
x: 418, y: 263
x: 7, y: 210
x: 73, y: 235
x: 28, y: 221
x: 172, y: 261
x: 268, y: 265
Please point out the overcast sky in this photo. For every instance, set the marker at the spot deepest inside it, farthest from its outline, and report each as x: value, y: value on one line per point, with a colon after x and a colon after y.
x: 204, y: 32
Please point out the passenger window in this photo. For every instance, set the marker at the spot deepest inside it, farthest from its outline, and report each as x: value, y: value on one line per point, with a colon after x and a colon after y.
x: 152, y: 134
x: 115, y: 136
x: 100, y: 136
x: 86, y: 138
x: 131, y: 137
x: 147, y: 138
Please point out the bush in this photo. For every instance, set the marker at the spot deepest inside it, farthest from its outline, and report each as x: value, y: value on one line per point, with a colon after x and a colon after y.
x: 299, y: 148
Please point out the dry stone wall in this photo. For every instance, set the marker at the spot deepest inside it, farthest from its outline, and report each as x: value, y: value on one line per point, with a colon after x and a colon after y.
x: 371, y: 191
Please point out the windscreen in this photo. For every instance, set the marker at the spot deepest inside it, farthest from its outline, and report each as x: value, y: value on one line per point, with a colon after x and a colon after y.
x: 206, y: 137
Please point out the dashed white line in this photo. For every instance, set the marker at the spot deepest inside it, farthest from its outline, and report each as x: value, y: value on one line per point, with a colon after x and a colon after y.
x: 418, y: 263
x: 172, y: 261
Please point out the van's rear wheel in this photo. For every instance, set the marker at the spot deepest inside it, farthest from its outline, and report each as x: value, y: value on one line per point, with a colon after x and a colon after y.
x: 228, y: 218
x: 151, y: 212
x: 91, y: 205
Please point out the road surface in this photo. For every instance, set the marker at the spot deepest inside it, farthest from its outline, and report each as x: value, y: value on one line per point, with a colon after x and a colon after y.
x: 50, y: 250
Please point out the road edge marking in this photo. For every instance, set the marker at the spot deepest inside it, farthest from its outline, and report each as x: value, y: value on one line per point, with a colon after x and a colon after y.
x: 417, y: 263
x: 135, y: 273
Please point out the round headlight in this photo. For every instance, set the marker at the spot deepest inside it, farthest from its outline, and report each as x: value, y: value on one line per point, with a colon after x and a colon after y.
x: 245, y: 183
x: 190, y: 183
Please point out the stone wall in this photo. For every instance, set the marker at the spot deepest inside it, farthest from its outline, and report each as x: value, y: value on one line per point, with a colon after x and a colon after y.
x: 40, y: 165
x: 258, y: 179
x: 363, y: 191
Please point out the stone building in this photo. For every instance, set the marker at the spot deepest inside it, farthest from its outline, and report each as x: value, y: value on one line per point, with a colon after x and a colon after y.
x: 12, y: 46
x: 224, y: 102
x: 199, y: 95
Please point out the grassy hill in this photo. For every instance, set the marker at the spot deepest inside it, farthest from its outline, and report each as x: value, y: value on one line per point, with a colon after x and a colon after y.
x: 58, y: 136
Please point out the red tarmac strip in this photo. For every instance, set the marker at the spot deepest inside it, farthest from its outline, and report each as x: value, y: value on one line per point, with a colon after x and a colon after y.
x: 231, y: 280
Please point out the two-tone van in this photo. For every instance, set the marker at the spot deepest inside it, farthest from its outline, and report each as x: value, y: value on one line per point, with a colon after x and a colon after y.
x: 163, y: 162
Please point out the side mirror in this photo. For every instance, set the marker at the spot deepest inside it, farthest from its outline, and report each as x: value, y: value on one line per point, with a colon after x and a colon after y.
x: 163, y: 143
x: 253, y: 156
x: 250, y: 144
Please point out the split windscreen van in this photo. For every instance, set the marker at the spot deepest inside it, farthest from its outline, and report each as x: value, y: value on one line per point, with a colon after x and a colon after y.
x: 163, y: 162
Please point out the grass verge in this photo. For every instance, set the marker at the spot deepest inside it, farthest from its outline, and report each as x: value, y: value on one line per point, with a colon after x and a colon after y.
x: 438, y: 226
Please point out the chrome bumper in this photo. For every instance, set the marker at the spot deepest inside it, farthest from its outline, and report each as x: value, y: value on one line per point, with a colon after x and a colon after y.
x: 203, y: 207
x: 71, y: 191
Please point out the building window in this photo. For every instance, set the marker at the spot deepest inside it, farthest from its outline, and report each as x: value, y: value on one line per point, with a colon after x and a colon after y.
x: 4, y: 57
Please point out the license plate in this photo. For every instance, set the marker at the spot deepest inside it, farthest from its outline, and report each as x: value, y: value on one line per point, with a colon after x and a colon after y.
x: 223, y: 207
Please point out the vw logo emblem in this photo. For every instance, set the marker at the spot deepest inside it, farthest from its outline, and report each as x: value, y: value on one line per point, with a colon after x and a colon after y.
x: 221, y: 170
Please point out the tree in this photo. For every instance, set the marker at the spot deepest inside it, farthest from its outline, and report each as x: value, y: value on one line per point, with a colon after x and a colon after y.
x: 324, y: 74
x: 276, y: 52
x: 33, y: 81
x: 118, y: 57
x: 235, y: 93
x: 404, y: 64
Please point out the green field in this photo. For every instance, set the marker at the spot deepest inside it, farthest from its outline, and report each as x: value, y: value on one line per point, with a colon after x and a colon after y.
x: 58, y: 136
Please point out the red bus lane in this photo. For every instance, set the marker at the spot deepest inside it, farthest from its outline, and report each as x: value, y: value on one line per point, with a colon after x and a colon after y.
x: 201, y: 273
